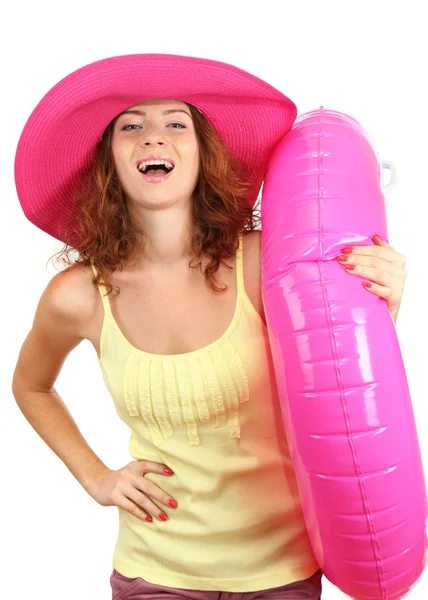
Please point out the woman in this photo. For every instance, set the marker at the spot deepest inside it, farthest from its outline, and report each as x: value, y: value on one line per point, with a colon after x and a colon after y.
x: 163, y: 212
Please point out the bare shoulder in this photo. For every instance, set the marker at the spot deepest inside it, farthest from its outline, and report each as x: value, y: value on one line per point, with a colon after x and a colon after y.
x: 60, y: 322
x: 252, y: 240
x: 252, y: 251
x: 71, y: 295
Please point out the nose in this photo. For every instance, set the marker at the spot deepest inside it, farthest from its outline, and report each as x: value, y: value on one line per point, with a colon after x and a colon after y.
x: 152, y: 142
x: 152, y: 135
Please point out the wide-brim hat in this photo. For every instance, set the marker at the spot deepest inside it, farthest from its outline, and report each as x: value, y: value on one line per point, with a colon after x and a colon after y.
x: 58, y: 142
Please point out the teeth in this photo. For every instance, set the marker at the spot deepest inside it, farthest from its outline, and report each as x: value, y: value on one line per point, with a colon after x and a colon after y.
x: 142, y: 166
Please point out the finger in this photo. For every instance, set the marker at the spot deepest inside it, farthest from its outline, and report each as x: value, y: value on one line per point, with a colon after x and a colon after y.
x: 380, y: 290
x: 387, y: 254
x: 371, y: 259
x: 379, y: 271
x: 134, y: 509
x: 147, y: 466
x: 142, y: 500
x: 379, y: 276
x: 390, y: 255
x: 381, y: 242
x: 378, y: 266
x: 152, y: 490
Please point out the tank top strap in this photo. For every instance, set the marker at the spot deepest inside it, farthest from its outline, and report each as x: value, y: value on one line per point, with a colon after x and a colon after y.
x: 242, y: 295
x: 104, y: 297
x: 240, y: 268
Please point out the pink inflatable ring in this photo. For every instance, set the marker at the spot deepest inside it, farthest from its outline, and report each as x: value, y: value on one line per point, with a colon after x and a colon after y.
x: 344, y: 394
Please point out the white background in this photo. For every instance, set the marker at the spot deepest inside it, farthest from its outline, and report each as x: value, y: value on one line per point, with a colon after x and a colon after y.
x: 366, y: 58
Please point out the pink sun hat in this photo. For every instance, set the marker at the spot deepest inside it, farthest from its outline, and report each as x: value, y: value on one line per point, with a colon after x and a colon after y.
x: 58, y: 142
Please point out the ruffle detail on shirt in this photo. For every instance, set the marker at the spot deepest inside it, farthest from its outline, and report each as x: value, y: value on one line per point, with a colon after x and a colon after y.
x: 145, y: 398
x: 173, y: 391
x: 128, y: 379
x: 186, y: 395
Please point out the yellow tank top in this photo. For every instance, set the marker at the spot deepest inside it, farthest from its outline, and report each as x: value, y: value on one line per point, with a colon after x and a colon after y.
x: 213, y: 416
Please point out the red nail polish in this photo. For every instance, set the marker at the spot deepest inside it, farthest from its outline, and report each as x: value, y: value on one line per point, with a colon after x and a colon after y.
x: 163, y: 517
x: 342, y: 257
x: 149, y: 519
x: 172, y: 503
x: 168, y: 471
x: 347, y: 250
x: 367, y: 284
x: 350, y: 267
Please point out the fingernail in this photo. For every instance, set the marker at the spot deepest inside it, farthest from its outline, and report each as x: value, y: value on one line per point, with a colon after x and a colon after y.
x: 163, y: 517
x: 168, y: 471
x: 342, y: 257
x: 347, y: 250
x: 172, y: 503
x: 378, y: 240
x: 350, y: 267
x: 149, y: 518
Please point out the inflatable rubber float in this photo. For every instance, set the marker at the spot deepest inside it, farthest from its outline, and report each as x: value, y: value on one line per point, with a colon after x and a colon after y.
x: 344, y: 394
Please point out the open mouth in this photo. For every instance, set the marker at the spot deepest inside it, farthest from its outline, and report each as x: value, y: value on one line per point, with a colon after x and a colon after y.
x: 155, y: 168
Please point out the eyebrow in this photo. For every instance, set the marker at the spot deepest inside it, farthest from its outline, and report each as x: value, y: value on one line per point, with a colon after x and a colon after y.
x: 142, y: 113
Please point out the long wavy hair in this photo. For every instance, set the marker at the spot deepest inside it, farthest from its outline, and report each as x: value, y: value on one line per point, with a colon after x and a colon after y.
x: 107, y: 237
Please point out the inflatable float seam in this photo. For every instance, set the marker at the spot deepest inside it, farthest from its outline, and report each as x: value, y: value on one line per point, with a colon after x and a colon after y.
x: 366, y: 503
x: 349, y: 433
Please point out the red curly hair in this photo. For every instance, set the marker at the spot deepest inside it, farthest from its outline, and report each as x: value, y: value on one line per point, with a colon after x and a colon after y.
x: 108, y: 237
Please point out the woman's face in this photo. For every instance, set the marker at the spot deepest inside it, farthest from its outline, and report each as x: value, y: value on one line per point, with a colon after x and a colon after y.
x: 144, y: 130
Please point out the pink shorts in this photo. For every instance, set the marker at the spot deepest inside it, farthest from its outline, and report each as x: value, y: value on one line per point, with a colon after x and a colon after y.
x: 125, y: 588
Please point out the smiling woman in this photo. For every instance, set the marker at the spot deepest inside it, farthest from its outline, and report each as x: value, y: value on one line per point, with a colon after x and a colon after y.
x: 189, y: 370
x: 135, y: 133
x: 154, y: 166
x: 114, y: 191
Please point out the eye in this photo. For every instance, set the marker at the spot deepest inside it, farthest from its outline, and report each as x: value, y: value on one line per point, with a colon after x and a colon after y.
x: 130, y: 127
x: 134, y: 126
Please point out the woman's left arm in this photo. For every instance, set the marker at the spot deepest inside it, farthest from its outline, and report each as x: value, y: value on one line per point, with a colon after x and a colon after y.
x: 383, y: 266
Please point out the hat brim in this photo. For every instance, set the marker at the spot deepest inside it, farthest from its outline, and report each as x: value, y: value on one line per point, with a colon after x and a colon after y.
x: 59, y: 139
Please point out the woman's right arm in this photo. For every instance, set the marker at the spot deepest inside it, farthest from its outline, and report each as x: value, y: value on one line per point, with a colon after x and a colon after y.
x: 65, y: 311
x: 61, y: 315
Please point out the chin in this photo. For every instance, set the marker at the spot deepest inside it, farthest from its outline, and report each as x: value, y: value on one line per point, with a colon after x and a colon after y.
x: 162, y: 199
